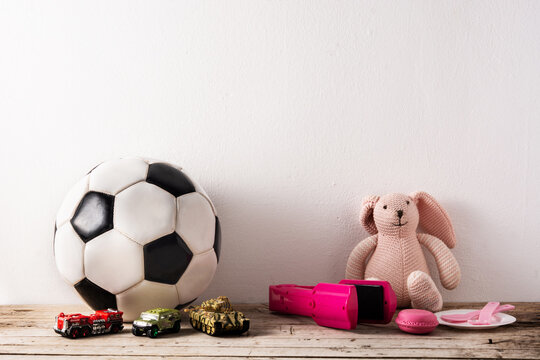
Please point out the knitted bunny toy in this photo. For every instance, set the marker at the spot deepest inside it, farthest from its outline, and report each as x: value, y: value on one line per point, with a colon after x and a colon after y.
x: 397, y: 256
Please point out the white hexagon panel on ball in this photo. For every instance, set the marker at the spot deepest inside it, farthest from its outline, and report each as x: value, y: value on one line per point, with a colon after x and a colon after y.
x: 200, y: 190
x: 144, y: 212
x: 69, y: 252
x: 196, y: 222
x: 197, y: 276
x: 113, y: 176
x: 145, y: 296
x: 113, y: 262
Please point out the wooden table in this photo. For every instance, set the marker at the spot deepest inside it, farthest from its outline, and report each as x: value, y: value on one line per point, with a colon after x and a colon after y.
x: 26, y: 331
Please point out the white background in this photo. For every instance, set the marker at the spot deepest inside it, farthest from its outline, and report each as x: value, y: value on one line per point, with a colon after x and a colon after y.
x: 288, y: 113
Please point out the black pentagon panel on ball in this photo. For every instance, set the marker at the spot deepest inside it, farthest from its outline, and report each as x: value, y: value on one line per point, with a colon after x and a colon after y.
x: 166, y: 259
x: 95, y: 296
x: 217, y: 239
x: 170, y: 179
x: 94, y: 215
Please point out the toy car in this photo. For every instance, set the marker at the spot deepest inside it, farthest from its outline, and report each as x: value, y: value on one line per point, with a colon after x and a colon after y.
x: 78, y: 325
x: 156, y: 321
x: 217, y: 317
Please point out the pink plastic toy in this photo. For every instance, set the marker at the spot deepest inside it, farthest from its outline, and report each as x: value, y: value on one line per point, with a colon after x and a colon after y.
x: 484, y: 318
x: 459, y: 318
x: 341, y: 306
x: 416, y: 321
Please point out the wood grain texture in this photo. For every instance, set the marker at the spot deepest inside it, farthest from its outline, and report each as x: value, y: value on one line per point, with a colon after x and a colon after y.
x: 26, y: 331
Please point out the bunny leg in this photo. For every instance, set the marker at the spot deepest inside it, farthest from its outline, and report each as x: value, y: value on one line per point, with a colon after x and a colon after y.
x: 423, y: 292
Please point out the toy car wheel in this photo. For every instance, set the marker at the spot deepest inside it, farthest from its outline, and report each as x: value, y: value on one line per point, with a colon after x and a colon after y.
x: 135, y: 331
x: 115, y: 328
x: 152, y: 332
x: 245, y: 326
x: 176, y: 327
x: 86, y: 332
x: 74, y: 333
x: 217, y: 330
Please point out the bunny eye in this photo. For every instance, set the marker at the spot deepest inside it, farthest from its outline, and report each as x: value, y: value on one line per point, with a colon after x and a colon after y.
x: 407, y: 202
x: 384, y: 207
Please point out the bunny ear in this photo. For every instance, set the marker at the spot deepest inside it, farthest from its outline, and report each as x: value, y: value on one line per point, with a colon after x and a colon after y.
x: 434, y: 219
x: 366, y: 216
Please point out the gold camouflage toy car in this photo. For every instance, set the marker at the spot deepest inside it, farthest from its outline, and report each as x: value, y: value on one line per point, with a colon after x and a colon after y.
x: 217, y: 317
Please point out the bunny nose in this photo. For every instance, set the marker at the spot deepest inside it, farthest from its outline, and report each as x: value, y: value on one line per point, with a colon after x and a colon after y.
x: 400, y: 213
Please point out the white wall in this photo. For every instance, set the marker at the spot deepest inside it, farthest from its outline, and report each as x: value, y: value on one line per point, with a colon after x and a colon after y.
x: 288, y: 113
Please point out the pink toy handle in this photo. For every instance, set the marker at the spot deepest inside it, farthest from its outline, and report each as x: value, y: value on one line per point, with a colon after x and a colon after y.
x: 484, y: 318
x: 331, y: 305
x: 503, y: 308
x: 291, y: 299
x: 487, y: 312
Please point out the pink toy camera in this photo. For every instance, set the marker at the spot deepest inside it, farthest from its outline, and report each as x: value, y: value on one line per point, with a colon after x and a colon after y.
x: 341, y: 306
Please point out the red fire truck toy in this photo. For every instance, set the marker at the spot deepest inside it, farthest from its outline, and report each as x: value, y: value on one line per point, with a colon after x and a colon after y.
x: 77, y: 325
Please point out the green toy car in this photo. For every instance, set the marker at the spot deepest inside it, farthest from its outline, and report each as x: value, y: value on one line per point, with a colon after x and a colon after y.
x: 155, y: 321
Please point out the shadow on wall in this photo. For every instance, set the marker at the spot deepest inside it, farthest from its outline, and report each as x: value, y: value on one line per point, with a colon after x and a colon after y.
x: 267, y: 241
x: 303, y: 241
x: 478, y: 258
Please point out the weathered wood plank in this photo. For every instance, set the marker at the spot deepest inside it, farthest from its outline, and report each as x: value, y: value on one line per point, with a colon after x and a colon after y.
x: 123, y: 357
x: 191, y: 339
x: 249, y: 351
x: 25, y: 330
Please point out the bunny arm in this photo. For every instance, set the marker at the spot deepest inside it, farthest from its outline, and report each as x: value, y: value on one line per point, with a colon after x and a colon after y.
x: 449, y: 271
x: 356, y: 265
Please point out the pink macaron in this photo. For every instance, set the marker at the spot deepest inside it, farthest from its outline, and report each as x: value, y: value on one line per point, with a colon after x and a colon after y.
x: 416, y: 321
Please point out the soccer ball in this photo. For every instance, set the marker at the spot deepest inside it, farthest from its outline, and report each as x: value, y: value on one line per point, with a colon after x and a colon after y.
x: 135, y: 234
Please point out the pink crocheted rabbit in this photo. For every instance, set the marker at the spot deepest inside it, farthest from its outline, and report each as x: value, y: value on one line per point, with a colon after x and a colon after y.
x: 397, y: 256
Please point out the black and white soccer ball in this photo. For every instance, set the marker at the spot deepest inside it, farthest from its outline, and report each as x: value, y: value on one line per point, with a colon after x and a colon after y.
x: 135, y: 234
